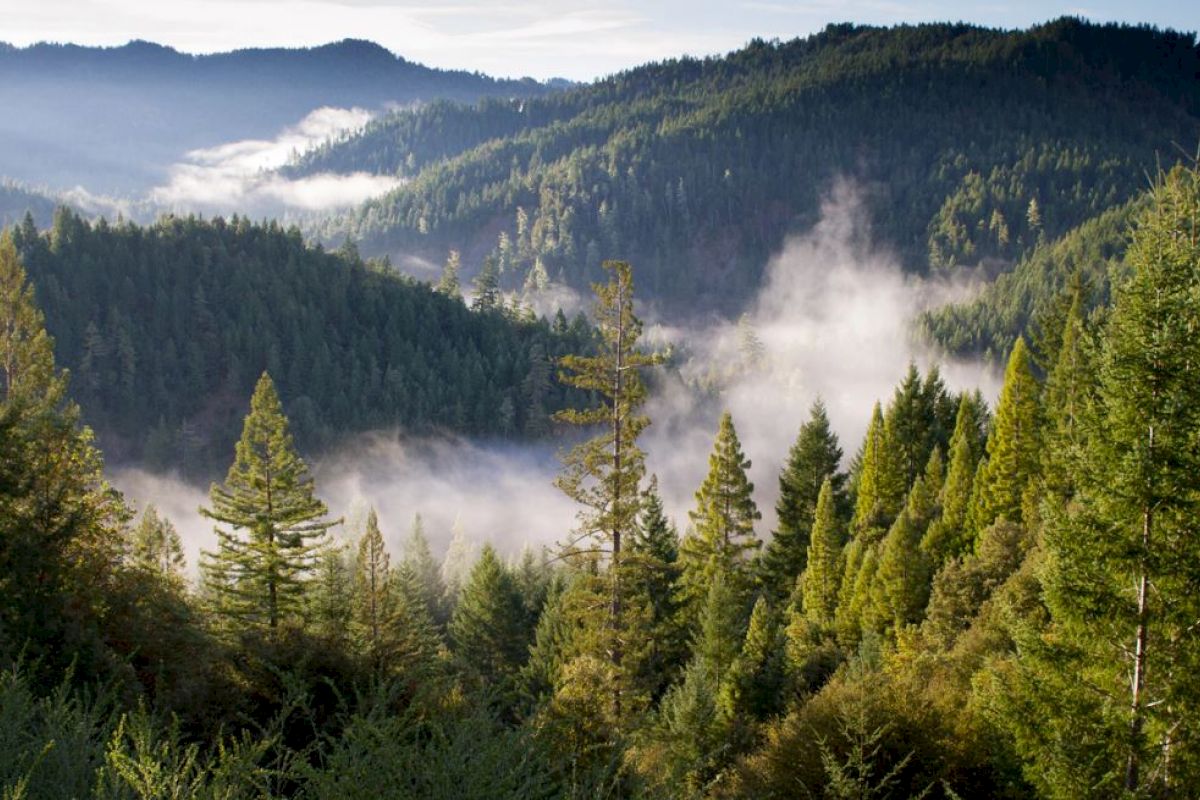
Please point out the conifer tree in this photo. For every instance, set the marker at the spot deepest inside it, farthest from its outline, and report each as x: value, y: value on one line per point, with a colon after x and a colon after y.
x: 456, y: 566
x: 723, y: 535
x: 329, y: 595
x: 654, y: 571
x: 814, y: 459
x: 1013, y: 448
x: 1118, y: 693
x: 449, y: 283
x: 553, y: 644
x: 758, y: 675
x: 373, y: 602
x: 276, y: 523
x: 488, y: 631
x: 880, y: 493
x: 487, y: 287
x: 947, y: 535
x: 155, y: 545
x: 603, y: 474
x: 419, y: 559
x: 412, y: 644
x: 61, y: 526
x: 823, y: 573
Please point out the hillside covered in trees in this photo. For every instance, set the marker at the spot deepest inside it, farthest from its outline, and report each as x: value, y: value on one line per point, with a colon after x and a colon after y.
x: 985, y: 600
x: 166, y: 327
x: 972, y: 147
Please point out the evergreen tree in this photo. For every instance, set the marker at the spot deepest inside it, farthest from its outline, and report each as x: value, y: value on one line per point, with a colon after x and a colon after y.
x: 1013, y: 448
x: 488, y: 631
x: 412, y: 644
x: 277, y: 524
x: 60, y: 524
x: 947, y: 535
x: 881, y: 487
x: 758, y: 676
x: 155, y: 545
x: 487, y: 287
x: 604, y: 473
x: 329, y: 596
x: 723, y: 535
x: 373, y: 602
x: 1116, y: 692
x: 456, y: 566
x: 449, y: 283
x: 823, y: 573
x: 420, y: 561
x: 553, y: 645
x: 814, y: 459
x: 653, y: 561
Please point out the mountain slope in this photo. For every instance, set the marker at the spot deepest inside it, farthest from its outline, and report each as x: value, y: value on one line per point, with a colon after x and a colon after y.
x: 112, y: 118
x: 166, y: 328
x: 971, y: 145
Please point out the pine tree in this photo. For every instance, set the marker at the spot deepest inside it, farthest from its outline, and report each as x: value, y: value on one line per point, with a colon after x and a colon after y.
x: 823, y: 573
x: 723, y: 535
x: 900, y: 588
x: 814, y: 459
x: 1120, y: 689
x: 487, y: 287
x: 603, y: 474
x: 412, y: 644
x: 155, y: 545
x: 277, y: 524
x: 456, y: 566
x: 488, y: 631
x: 881, y: 486
x: 947, y: 535
x: 449, y: 283
x: 419, y: 559
x: 758, y: 675
x: 373, y: 601
x: 653, y: 561
x: 1013, y: 448
x: 553, y: 645
x: 329, y: 595
x: 61, y: 526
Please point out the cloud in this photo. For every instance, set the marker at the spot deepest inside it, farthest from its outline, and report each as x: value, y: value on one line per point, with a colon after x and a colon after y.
x: 833, y: 319
x: 240, y: 176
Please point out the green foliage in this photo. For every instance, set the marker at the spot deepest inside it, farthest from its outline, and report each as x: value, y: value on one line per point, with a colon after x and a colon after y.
x: 167, y: 327
x: 722, y: 539
x: 757, y: 681
x: 698, y: 170
x: 155, y: 545
x: 1013, y: 447
x: 256, y: 576
x: 947, y: 535
x: 813, y: 459
x: 488, y: 631
x: 823, y: 574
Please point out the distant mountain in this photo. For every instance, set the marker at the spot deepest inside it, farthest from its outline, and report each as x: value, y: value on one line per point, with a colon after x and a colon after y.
x: 971, y: 146
x: 112, y: 118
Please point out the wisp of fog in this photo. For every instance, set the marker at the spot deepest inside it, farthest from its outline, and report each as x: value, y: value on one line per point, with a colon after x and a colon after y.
x: 832, y: 320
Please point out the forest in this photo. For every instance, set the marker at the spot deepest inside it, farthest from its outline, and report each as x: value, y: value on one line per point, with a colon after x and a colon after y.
x: 973, y: 147
x: 986, y: 599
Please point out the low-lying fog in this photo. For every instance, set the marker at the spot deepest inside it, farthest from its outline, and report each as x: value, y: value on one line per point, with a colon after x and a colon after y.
x: 833, y: 319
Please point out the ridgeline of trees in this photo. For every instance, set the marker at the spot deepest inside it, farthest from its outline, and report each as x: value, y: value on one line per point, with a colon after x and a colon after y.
x: 988, y: 603
x: 166, y: 327
x: 971, y: 145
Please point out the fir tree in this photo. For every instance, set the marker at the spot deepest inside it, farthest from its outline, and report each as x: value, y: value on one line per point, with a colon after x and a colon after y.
x: 758, y: 676
x: 880, y: 491
x: 449, y: 283
x: 603, y: 474
x: 329, y: 595
x: 723, y: 535
x: 373, y: 602
x: 1013, y: 448
x: 947, y: 535
x: 420, y: 561
x: 488, y: 631
x: 155, y: 545
x: 487, y: 287
x: 813, y: 460
x: 823, y: 573
x: 456, y: 566
x: 276, y: 524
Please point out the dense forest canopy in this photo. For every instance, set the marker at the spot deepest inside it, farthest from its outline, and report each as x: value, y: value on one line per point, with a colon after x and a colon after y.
x: 166, y: 327
x: 991, y: 601
x: 972, y: 145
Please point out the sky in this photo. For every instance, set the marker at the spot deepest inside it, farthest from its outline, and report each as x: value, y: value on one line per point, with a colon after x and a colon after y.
x: 576, y: 39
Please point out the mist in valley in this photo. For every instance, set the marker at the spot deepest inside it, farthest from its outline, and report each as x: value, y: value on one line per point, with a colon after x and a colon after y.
x: 833, y: 320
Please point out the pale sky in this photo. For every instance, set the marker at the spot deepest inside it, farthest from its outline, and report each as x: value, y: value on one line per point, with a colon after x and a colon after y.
x: 577, y: 39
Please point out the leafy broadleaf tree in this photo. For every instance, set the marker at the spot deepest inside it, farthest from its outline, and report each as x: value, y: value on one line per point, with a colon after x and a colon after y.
x: 276, y: 525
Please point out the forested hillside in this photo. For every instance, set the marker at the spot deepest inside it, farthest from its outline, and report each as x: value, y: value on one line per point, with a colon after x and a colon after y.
x: 988, y: 600
x: 972, y: 146
x: 112, y: 118
x: 165, y: 329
